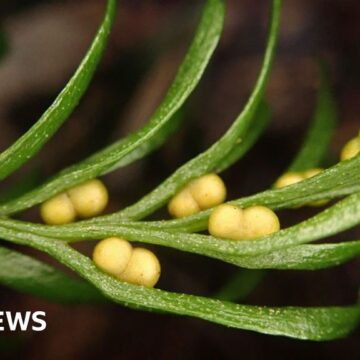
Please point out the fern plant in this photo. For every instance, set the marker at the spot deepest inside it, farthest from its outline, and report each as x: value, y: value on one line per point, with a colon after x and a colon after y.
x: 288, y: 249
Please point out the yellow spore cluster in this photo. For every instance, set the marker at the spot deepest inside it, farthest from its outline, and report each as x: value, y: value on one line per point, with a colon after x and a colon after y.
x: 234, y: 223
x: 292, y: 177
x: 351, y: 148
x: 85, y: 200
x: 118, y: 258
x: 199, y: 194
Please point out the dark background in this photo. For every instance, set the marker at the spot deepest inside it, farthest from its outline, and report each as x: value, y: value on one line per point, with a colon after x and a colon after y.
x: 47, y: 39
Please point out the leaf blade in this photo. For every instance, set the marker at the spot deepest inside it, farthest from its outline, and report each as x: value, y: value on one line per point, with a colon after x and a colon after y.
x: 305, y: 257
x: 315, y: 323
x: 33, y: 140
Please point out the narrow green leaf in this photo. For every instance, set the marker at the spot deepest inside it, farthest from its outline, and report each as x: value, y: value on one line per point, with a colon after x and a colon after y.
x: 188, y: 75
x: 305, y: 257
x: 300, y: 257
x: 33, y: 140
x: 209, y: 159
x: 312, y: 323
x: 318, y: 138
x: 28, y: 275
x: 333, y: 220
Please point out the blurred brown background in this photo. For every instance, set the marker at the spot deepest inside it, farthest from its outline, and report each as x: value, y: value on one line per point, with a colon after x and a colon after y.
x: 47, y: 39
